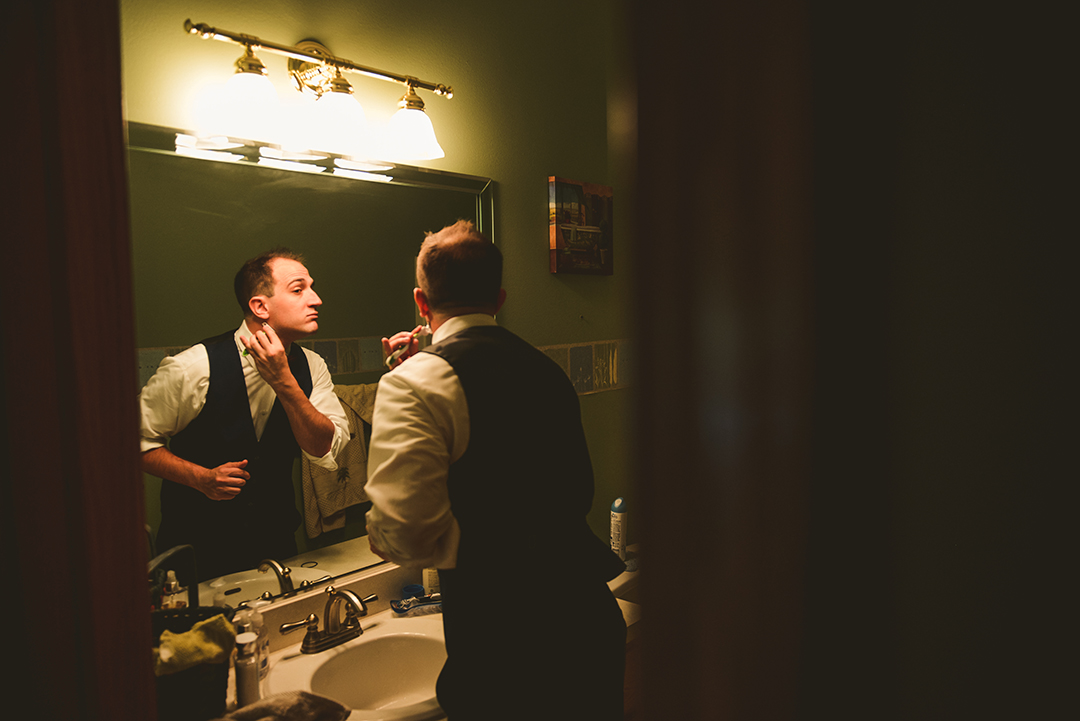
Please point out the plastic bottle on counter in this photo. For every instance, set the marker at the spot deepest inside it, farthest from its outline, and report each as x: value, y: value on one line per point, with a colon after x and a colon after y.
x: 431, y: 581
x: 618, y: 527
x: 249, y: 620
x: 247, y: 669
x: 259, y: 627
x: 172, y: 595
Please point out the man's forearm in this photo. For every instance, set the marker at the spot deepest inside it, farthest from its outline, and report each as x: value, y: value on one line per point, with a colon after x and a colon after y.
x: 314, y: 432
x: 161, y: 462
x: 218, y: 484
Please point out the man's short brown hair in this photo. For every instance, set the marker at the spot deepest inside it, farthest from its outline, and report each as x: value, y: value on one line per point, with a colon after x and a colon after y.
x: 256, y: 277
x: 459, y: 268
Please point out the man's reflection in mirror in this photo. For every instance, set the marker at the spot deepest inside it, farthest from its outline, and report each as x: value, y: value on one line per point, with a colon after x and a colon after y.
x: 223, y: 421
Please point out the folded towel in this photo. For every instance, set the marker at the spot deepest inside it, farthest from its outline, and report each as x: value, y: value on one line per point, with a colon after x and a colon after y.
x: 361, y: 398
x: 291, y: 706
x: 328, y: 493
x: 208, y: 641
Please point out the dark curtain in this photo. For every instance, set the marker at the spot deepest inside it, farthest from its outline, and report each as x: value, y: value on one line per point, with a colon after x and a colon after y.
x: 78, y: 628
x: 852, y: 309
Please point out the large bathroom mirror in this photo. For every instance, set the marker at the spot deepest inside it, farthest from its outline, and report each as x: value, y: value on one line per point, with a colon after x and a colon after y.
x: 197, y: 216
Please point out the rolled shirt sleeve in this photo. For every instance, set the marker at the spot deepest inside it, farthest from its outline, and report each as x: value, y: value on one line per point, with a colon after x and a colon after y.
x: 420, y: 427
x: 326, y: 402
x: 173, y: 396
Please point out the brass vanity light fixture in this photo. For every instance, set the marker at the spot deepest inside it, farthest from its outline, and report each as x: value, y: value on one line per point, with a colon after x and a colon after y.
x: 315, y: 70
x: 250, y: 64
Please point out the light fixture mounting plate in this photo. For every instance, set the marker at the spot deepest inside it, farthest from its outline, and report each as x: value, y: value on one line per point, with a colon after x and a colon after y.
x: 311, y: 77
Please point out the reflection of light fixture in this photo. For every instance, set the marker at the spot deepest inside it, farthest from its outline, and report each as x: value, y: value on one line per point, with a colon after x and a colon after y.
x: 219, y: 142
x: 338, y: 124
x: 410, y: 135
x: 281, y: 160
x: 361, y: 175
x: 362, y: 171
x: 290, y: 165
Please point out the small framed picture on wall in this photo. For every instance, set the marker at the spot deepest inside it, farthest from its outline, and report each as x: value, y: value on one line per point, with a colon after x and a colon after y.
x: 579, y: 227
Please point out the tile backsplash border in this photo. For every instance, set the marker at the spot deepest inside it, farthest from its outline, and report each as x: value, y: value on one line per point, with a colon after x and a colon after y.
x: 593, y: 367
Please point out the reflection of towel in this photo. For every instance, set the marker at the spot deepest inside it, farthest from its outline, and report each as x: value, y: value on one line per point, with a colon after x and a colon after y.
x: 328, y: 493
x: 209, y: 641
x: 291, y: 706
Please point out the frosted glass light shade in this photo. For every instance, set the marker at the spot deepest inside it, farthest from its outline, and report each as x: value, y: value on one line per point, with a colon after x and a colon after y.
x: 339, y: 125
x: 410, y: 136
x: 248, y: 108
x: 297, y: 123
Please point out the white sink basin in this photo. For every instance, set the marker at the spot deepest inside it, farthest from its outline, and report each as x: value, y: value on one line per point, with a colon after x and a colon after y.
x: 249, y: 585
x: 388, y: 673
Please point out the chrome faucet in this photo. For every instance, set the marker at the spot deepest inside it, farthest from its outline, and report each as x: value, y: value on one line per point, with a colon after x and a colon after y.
x: 335, y: 631
x: 283, y: 573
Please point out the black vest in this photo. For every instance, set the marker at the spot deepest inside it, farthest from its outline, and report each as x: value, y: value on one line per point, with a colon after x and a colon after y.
x: 523, y: 488
x: 222, y: 432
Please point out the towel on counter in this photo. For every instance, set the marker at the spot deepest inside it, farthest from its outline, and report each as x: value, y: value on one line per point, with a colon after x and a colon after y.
x: 328, y: 493
x: 291, y: 706
x: 209, y: 641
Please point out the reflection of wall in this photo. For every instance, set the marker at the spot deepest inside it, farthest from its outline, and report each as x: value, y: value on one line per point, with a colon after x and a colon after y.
x: 507, y: 63
x: 194, y: 222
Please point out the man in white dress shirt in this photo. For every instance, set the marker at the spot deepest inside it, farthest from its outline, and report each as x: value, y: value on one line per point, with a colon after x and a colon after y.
x: 478, y: 467
x: 235, y: 411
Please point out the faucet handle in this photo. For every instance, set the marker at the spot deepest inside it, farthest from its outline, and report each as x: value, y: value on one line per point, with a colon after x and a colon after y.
x: 353, y: 612
x: 366, y: 600
x: 311, y: 623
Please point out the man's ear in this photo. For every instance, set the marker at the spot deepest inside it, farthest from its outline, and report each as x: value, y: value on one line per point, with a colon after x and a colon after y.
x: 501, y: 300
x: 422, y: 304
x: 259, y: 307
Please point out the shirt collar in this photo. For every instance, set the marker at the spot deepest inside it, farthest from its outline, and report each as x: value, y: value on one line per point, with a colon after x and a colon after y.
x: 459, y: 323
x: 243, y: 332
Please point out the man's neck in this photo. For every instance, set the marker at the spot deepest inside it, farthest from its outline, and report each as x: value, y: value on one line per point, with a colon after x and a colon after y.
x: 254, y: 325
x: 440, y: 317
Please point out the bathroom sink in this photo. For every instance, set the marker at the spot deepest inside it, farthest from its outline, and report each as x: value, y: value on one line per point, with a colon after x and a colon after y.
x: 388, y: 673
x: 392, y: 671
x: 249, y: 585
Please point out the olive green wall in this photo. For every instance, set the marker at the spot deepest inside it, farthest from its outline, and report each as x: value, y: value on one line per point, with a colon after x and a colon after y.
x: 193, y: 223
x: 539, y: 90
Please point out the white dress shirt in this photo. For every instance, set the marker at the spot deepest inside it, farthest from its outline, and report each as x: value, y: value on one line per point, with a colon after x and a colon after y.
x: 420, y: 427
x: 176, y: 393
